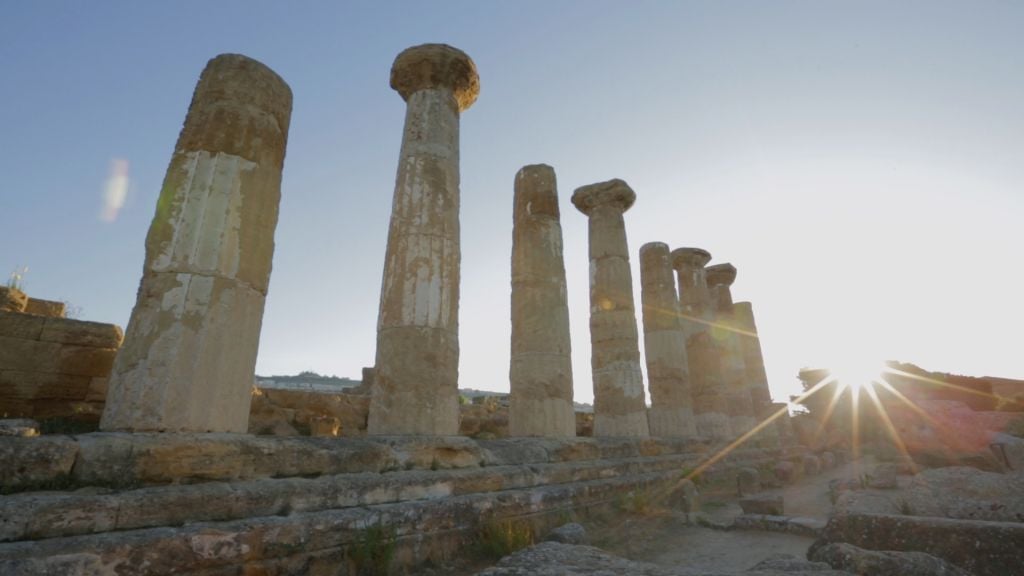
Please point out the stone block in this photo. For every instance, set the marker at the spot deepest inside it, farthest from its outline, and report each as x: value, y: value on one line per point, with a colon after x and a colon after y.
x: 982, y: 548
x: 21, y: 427
x: 324, y: 426
x: 785, y: 471
x: 748, y: 481
x: 34, y: 462
x: 53, y: 357
x: 24, y: 326
x: 572, y: 533
x: 49, y: 308
x: 771, y: 505
x: 811, y: 464
x: 81, y: 333
x: 884, y: 476
x: 882, y: 563
x: 20, y: 385
x: 12, y: 300
x: 828, y: 460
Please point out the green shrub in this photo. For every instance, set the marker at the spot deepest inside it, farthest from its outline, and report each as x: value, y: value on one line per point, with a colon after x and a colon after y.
x: 499, y: 539
x: 373, y: 550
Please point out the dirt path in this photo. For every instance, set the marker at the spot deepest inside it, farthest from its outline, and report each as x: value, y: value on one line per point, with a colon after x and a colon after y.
x: 665, y: 538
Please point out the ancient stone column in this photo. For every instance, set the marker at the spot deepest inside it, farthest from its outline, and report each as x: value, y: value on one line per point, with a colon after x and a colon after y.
x: 753, y: 362
x: 417, y: 367
x: 619, y: 408
x: 726, y: 336
x: 671, y: 412
x: 702, y: 357
x: 189, y: 353
x: 540, y: 373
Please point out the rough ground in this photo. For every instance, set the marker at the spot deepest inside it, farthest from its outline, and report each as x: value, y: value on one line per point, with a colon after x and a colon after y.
x: 662, y: 542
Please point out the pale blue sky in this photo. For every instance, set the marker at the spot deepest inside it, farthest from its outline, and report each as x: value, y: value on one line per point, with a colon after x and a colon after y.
x: 860, y: 163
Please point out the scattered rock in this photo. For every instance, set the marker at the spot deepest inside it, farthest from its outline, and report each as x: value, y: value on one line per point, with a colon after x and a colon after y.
x: 23, y: 427
x: 689, y: 497
x: 828, y: 460
x: 812, y: 465
x: 785, y: 471
x: 763, y: 504
x: 748, y: 481
x: 572, y: 533
x: 556, y: 559
x: 881, y: 563
x: 884, y: 476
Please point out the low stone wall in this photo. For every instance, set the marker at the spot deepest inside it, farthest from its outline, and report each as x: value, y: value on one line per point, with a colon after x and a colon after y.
x: 54, y: 367
x: 980, y: 547
x: 222, y: 503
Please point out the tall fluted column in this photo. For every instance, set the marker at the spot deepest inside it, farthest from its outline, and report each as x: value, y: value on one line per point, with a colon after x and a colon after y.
x: 671, y: 412
x: 189, y: 352
x: 619, y: 408
x: 415, y: 387
x: 540, y: 373
x: 726, y: 336
x: 705, y: 370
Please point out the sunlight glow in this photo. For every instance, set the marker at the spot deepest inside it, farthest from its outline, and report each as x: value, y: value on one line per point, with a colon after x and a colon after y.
x: 857, y: 374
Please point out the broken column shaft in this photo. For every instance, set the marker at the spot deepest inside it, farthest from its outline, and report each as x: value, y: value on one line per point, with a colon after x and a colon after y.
x: 619, y: 408
x: 416, y: 379
x: 705, y: 370
x: 753, y: 363
x: 671, y: 412
x: 189, y: 352
x: 540, y: 372
x: 726, y: 336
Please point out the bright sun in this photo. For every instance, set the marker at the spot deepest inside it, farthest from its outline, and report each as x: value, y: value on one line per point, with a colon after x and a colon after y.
x: 857, y: 374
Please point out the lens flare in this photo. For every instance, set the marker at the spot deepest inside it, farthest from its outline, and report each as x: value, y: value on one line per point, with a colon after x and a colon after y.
x: 115, y: 191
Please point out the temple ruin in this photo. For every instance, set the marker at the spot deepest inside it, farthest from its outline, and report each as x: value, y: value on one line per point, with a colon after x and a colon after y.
x: 201, y: 470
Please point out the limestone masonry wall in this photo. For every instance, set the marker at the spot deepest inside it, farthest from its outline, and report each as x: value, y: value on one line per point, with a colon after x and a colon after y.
x: 51, y: 366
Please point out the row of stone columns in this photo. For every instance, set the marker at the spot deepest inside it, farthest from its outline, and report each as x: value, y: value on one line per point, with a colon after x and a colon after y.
x: 190, y: 348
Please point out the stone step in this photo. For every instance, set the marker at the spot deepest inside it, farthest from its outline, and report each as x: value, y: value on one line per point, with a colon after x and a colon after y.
x: 299, y: 542
x: 39, y: 515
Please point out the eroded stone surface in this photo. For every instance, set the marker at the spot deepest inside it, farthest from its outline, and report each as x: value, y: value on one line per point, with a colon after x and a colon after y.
x: 190, y: 348
x: 668, y: 372
x: 726, y: 336
x: 415, y: 387
x: 540, y: 374
x: 619, y: 408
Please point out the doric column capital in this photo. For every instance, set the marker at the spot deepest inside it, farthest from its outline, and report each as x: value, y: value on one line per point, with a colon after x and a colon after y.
x: 721, y: 274
x: 614, y: 193
x: 430, y: 66
x: 686, y: 258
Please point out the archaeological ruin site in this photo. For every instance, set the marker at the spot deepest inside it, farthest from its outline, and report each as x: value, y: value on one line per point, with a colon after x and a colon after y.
x: 156, y: 451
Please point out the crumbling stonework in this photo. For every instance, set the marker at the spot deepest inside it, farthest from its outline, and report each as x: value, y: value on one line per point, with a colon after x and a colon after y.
x: 540, y: 374
x: 619, y: 408
x: 416, y: 379
x: 671, y: 412
x: 53, y: 367
x: 190, y: 347
x: 701, y: 353
x: 726, y: 337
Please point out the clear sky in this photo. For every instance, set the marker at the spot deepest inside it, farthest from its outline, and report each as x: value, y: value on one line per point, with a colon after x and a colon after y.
x: 860, y: 163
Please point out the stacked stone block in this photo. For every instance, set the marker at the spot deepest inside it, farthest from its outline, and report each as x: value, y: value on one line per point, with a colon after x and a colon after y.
x: 53, y: 367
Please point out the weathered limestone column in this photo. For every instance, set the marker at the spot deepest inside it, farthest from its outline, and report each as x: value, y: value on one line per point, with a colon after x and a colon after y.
x: 753, y: 359
x: 726, y: 336
x: 417, y: 367
x: 753, y: 363
x: 540, y: 373
x: 705, y: 370
x: 189, y: 352
x: 619, y: 407
x: 671, y: 412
